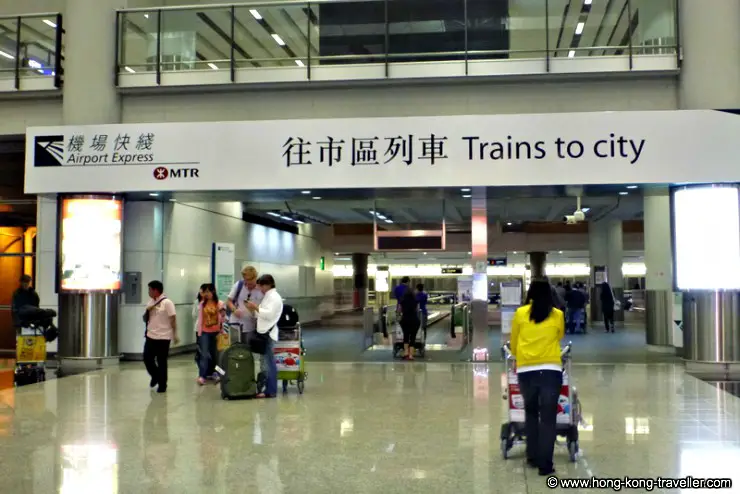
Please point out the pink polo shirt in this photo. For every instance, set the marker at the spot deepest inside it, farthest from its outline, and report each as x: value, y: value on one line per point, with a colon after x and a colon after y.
x: 159, y: 327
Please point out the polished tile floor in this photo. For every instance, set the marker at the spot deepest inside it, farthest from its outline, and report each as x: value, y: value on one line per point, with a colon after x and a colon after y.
x: 359, y: 428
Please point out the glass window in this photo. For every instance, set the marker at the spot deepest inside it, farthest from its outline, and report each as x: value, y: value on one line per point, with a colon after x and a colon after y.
x: 351, y: 32
x: 138, y: 42
x: 274, y: 36
x: 426, y: 30
x: 196, y: 39
x: 656, y: 32
x: 526, y: 28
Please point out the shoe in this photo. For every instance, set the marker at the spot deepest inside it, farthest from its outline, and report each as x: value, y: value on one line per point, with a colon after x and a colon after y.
x: 546, y: 471
x: 201, y: 381
x: 162, y: 389
x: 153, y: 383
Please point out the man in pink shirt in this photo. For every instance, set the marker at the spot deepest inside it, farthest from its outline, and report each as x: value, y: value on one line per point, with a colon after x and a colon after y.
x: 161, y: 328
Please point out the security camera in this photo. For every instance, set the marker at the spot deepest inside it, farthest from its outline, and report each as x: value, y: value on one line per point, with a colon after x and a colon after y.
x: 570, y: 220
x: 579, y: 215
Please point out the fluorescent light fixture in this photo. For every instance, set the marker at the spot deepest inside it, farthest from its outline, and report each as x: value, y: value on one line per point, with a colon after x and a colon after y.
x: 286, y: 218
x: 278, y: 39
x: 585, y: 210
x: 571, y: 53
x: 213, y: 66
x: 153, y: 194
x: 271, y: 213
x: 300, y: 222
x: 316, y: 198
x: 632, y: 187
x: 579, y: 28
x: 389, y: 221
x: 255, y: 14
x: 50, y: 23
x: 6, y: 55
x: 624, y: 193
x: 560, y: 252
x: 465, y: 190
x: 381, y: 217
x: 173, y: 200
x: 300, y: 63
x: 34, y: 64
x: 425, y: 253
x: 508, y: 223
x: 587, y: 2
x: 470, y: 253
x: 146, y: 16
x: 305, y: 192
x: 372, y: 212
x: 129, y: 69
x: 466, y: 196
x: 515, y: 252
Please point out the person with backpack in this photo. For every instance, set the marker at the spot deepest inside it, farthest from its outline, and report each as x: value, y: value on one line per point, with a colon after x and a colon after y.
x: 243, y: 292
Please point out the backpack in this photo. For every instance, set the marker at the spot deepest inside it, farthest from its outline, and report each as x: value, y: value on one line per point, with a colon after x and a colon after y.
x: 289, y: 318
x: 239, y: 286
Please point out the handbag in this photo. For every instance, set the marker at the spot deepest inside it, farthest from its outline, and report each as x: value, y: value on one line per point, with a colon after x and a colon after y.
x: 258, y: 342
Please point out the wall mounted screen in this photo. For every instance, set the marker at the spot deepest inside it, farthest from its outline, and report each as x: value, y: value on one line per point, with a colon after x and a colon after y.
x: 706, y: 223
x: 90, y: 244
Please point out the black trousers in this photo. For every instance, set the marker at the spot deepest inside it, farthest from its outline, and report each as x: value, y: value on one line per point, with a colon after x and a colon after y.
x: 609, y: 319
x: 541, y: 390
x: 410, y: 327
x: 155, y: 359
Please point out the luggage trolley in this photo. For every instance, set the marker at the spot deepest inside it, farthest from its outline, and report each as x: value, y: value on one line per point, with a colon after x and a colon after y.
x: 289, y: 357
x: 569, y: 406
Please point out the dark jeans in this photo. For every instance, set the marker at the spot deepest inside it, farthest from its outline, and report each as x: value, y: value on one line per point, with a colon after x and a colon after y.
x: 155, y: 359
x: 541, y: 390
x: 575, y: 319
x: 208, y: 354
x: 270, y: 368
x: 609, y: 319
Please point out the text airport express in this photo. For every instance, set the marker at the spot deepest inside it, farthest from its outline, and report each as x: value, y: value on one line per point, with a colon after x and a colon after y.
x: 106, y: 159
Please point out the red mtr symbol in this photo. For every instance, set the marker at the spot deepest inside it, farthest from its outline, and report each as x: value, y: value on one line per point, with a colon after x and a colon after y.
x: 161, y: 173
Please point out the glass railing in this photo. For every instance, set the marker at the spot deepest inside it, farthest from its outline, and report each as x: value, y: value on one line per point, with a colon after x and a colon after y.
x: 31, y: 49
x: 383, y: 36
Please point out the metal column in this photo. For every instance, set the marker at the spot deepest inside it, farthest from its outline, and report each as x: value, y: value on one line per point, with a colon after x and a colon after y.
x: 480, y: 350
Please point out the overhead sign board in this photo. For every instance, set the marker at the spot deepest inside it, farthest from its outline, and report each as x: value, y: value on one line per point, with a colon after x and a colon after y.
x: 446, y: 151
x: 456, y: 270
x: 497, y: 261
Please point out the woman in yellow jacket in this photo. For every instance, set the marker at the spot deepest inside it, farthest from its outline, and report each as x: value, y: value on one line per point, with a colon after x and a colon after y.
x: 536, y: 332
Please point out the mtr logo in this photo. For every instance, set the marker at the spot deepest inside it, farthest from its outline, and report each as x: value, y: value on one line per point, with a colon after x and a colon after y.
x: 162, y: 173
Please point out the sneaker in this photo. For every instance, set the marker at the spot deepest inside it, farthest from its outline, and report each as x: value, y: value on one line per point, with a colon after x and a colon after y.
x: 201, y: 381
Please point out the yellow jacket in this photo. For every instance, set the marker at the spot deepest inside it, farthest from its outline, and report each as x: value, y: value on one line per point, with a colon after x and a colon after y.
x: 537, y: 344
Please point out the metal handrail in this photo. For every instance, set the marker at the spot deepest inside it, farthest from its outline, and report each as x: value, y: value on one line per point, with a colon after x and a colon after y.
x: 386, y: 58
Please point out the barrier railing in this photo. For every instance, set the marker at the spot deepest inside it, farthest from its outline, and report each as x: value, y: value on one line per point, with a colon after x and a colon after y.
x: 31, y: 49
x: 304, y: 36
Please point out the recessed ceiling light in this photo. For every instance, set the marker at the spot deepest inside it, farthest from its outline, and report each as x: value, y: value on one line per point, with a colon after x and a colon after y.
x: 389, y: 221
x: 255, y: 14
x: 173, y: 200
x: 465, y: 190
x: 146, y: 16
x: 587, y: 2
x: 509, y: 223
x: 381, y: 217
x: 515, y: 252
x: 278, y: 39
x: 50, y: 23
x: 316, y: 198
x: 213, y: 66
x: 466, y: 196
x: 560, y: 252
x: 129, y: 69
x: 425, y: 253
x: 579, y: 28
x: 305, y: 192
x: 153, y: 194
x: 571, y: 53
x: 632, y: 187
x: 300, y: 63
x: 624, y: 193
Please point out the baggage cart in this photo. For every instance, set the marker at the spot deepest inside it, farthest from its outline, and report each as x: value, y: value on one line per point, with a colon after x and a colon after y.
x: 30, y: 355
x: 569, y: 406
x: 290, y: 355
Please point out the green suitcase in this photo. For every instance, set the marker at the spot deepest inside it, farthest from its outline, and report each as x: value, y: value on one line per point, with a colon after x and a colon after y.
x: 237, y: 373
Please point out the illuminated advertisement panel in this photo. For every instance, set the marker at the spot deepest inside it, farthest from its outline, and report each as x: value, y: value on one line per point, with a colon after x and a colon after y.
x: 90, y: 244
x: 706, y: 229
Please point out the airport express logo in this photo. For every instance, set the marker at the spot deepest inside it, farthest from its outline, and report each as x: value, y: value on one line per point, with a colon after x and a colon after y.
x: 105, y: 150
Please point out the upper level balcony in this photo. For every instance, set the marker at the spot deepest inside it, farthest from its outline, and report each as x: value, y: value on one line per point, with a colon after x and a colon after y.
x: 31, y: 53
x: 374, y: 40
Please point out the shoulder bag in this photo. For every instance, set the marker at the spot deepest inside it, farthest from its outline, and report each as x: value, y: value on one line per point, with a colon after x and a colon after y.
x: 147, y: 313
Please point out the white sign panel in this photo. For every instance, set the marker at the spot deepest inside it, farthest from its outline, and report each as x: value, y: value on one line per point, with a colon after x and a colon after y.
x: 222, y: 269
x: 482, y: 150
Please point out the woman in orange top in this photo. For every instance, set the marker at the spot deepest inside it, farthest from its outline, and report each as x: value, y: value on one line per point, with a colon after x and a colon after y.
x: 212, y: 314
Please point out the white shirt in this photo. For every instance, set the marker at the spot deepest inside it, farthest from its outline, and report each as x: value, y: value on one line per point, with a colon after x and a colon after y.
x: 268, y: 315
x: 248, y: 320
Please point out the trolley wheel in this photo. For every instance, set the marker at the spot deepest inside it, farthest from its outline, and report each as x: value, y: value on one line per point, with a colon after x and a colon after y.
x: 573, y: 450
x: 285, y: 385
x: 301, y: 385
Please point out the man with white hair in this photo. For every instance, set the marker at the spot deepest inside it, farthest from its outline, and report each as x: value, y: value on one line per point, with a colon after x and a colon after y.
x: 243, y: 292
